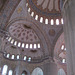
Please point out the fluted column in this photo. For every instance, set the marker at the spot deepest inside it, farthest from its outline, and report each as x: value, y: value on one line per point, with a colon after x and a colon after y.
x: 69, y: 32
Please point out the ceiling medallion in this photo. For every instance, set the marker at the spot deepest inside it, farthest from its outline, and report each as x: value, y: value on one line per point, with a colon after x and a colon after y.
x: 51, y: 32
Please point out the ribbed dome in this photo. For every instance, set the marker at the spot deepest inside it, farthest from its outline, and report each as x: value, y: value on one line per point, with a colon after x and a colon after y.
x: 45, y: 11
x: 46, y: 7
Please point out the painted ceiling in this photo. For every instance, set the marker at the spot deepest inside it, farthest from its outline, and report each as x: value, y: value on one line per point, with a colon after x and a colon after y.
x: 46, y: 7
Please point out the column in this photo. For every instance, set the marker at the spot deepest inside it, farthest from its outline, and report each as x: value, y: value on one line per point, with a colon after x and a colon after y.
x: 50, y: 68
x: 69, y: 32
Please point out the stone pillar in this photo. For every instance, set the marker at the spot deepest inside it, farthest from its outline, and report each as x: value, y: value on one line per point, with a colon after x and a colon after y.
x: 50, y: 68
x: 18, y: 68
x: 69, y: 32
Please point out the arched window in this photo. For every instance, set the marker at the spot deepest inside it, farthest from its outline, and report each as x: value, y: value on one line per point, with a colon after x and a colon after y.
x: 27, y: 45
x: 29, y: 59
x: 19, y: 44
x: 46, y: 21
x: 12, y: 41
x: 24, y: 73
x: 30, y: 45
x: 25, y: 57
x: 9, y: 39
x: 37, y: 71
x: 62, y: 47
x: 8, y: 55
x: 38, y: 45
x: 62, y: 22
x: 18, y: 56
x: 61, y: 72
x: 10, y: 72
x: 41, y: 19
x: 26, y: 4
x: 63, y: 60
x: 29, y: 10
x: 15, y: 43
x: 4, y: 71
x: 36, y: 17
x: 35, y: 46
x: 57, y: 21
x: 23, y: 45
x: 12, y: 57
x: 52, y: 22
x: 32, y: 14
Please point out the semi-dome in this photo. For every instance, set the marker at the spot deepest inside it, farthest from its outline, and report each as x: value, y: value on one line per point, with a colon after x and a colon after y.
x: 23, y: 33
x: 23, y: 40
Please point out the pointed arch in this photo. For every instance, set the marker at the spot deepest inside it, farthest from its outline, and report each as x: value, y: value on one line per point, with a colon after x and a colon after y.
x: 37, y: 71
x: 4, y: 71
x: 61, y: 72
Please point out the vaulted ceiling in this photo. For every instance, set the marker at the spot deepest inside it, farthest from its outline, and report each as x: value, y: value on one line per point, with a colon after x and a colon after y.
x: 47, y: 10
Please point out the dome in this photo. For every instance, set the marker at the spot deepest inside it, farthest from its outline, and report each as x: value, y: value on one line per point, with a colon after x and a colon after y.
x: 45, y: 10
x: 23, y: 40
x: 23, y: 33
x: 46, y: 7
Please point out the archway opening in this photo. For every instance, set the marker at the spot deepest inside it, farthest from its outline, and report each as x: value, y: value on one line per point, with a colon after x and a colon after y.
x: 24, y: 73
x: 61, y: 72
x: 37, y: 71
